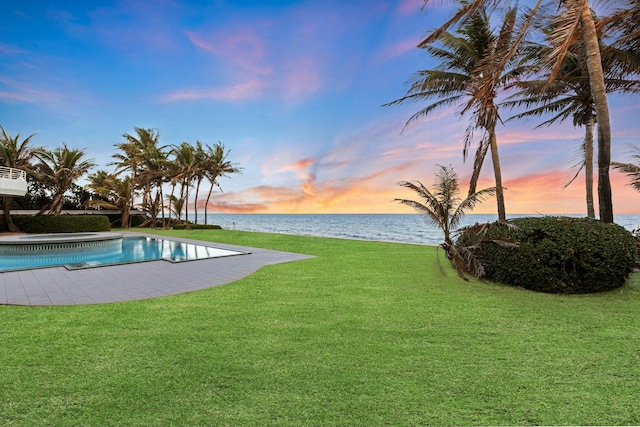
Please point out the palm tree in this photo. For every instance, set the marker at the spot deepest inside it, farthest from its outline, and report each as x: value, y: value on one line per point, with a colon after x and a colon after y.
x: 18, y: 155
x: 132, y: 156
x: 462, y: 78
x: 570, y: 96
x: 575, y: 13
x: 443, y: 207
x: 153, y: 174
x: 185, y: 160
x: 199, y: 173
x: 178, y: 206
x: 217, y: 166
x: 59, y: 169
x: 114, y: 193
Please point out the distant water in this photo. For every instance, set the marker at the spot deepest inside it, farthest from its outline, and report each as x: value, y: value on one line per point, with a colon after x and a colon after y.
x: 404, y: 228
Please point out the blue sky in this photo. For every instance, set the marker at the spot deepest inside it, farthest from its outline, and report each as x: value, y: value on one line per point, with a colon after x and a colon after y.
x: 293, y: 88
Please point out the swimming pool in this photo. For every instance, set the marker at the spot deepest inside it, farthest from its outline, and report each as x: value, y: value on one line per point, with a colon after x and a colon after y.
x: 118, y: 251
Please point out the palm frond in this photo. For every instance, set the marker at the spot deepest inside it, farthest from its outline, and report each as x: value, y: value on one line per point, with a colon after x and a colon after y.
x: 563, y: 36
x: 469, y: 204
x: 430, y: 208
x: 632, y: 170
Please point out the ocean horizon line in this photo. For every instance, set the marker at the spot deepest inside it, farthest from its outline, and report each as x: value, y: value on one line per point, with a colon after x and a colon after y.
x: 389, y: 227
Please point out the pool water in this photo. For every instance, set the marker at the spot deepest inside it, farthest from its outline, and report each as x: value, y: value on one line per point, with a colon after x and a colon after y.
x: 132, y: 249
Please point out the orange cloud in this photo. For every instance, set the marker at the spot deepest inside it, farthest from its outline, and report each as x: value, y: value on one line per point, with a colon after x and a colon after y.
x: 221, y: 207
x: 356, y: 194
x: 299, y: 165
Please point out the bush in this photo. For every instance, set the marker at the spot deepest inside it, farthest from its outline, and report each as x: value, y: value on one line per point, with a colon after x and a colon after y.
x: 61, y: 223
x: 116, y: 220
x: 197, y: 227
x: 558, y: 254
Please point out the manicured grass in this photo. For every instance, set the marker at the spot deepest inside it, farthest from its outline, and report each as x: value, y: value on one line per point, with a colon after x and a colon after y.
x: 365, y: 334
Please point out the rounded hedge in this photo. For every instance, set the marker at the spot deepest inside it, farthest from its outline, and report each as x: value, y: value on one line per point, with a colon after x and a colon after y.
x: 557, y: 254
x: 61, y: 223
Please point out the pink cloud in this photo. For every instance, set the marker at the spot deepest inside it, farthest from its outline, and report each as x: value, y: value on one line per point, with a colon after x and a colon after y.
x: 292, y: 68
x: 24, y: 92
x: 242, y: 48
x: 399, y: 48
x: 409, y: 7
x: 15, y: 97
x: 245, y: 90
x: 302, y: 77
x: 8, y: 50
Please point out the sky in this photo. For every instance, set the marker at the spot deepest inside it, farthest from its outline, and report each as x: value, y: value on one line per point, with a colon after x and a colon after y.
x: 293, y: 89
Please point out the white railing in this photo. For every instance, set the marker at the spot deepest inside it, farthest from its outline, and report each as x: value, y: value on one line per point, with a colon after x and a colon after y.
x: 11, y: 173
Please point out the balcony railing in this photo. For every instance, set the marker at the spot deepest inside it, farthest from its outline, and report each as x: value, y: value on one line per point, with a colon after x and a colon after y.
x: 11, y: 173
x: 13, y: 182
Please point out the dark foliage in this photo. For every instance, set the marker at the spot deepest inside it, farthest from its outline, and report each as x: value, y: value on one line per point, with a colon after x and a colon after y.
x: 196, y: 227
x: 557, y: 254
x: 61, y: 223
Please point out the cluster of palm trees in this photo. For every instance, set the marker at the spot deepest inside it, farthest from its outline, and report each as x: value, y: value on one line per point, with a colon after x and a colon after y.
x: 56, y: 170
x: 148, y: 166
x: 143, y: 168
x: 559, y: 64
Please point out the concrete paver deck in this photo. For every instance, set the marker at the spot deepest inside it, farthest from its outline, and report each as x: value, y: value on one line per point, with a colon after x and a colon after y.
x: 128, y: 282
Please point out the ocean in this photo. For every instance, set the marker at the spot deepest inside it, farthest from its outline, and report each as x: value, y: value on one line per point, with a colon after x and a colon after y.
x: 402, y: 228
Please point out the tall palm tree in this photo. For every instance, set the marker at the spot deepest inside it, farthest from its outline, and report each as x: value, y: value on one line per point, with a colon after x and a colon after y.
x: 444, y: 208
x: 570, y: 96
x: 18, y: 155
x: 461, y: 79
x: 132, y: 155
x: 152, y: 176
x: 178, y: 206
x: 114, y: 193
x: 59, y: 169
x: 185, y: 160
x: 575, y: 13
x: 199, y: 173
x: 217, y: 166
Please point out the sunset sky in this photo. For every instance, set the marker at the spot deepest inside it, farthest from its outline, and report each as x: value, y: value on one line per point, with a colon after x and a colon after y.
x: 294, y: 89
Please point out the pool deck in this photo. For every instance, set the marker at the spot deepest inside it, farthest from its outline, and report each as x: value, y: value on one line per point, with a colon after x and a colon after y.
x: 130, y: 282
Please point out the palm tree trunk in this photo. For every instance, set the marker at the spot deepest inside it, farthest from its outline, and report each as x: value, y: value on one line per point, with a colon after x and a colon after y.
x: 6, y: 209
x: 588, y: 165
x: 598, y: 91
x: 124, y: 219
x: 58, y: 201
x: 206, y: 205
x: 205, y: 214
x: 185, y: 188
x: 481, y: 152
x: 495, y: 159
x: 195, y: 205
x: 164, y: 225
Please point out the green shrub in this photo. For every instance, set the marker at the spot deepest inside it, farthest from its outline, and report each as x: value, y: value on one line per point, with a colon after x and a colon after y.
x: 558, y: 254
x: 196, y: 227
x: 61, y: 223
x: 137, y: 220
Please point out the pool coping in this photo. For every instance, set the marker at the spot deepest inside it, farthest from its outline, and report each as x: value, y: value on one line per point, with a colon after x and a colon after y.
x: 57, y: 286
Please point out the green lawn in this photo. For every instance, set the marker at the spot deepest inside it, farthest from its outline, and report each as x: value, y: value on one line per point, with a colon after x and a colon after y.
x: 365, y: 334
